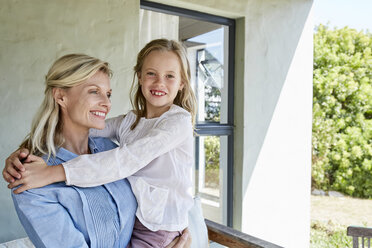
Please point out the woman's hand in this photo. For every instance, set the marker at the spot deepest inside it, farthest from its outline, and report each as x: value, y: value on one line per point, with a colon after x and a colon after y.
x: 183, y: 241
x: 13, y: 165
x: 37, y: 174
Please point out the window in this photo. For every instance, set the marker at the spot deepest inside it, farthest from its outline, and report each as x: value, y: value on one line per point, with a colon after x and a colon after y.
x: 210, y: 44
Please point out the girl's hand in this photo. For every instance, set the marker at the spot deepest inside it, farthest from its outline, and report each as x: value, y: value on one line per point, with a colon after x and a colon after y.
x: 37, y: 174
x: 13, y: 165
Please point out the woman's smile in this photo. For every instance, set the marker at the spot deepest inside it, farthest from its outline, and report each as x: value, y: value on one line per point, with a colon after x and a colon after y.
x: 99, y: 114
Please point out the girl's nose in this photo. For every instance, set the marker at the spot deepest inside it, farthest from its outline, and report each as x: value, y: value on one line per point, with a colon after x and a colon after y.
x: 159, y: 80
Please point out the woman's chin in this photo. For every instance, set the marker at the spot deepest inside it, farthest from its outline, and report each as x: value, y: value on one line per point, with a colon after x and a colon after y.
x: 98, y: 126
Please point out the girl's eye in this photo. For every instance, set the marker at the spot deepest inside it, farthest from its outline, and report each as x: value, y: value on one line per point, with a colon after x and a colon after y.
x: 170, y: 76
x: 108, y: 95
x: 150, y: 73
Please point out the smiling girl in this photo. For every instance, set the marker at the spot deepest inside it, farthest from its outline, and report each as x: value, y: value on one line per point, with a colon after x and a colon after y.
x: 156, y: 147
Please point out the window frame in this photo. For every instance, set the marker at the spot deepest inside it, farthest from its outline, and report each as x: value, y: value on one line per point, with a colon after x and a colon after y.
x: 213, y: 128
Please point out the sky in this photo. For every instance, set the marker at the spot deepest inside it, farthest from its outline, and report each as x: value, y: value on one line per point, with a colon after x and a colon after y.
x: 355, y: 14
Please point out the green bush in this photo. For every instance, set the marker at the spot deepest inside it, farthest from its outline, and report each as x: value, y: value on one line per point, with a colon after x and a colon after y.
x: 342, y: 111
x: 212, y: 152
x: 329, y: 235
x: 212, y: 160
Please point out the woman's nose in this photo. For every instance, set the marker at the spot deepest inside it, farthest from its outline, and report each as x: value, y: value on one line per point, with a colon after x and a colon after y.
x: 106, y: 101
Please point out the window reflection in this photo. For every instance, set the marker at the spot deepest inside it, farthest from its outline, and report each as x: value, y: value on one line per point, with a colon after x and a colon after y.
x: 209, y: 74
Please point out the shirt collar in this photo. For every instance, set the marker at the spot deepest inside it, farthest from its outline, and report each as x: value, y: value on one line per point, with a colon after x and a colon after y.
x: 65, y: 155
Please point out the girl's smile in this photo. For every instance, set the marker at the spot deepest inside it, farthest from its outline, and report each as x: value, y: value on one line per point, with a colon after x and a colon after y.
x: 160, y: 81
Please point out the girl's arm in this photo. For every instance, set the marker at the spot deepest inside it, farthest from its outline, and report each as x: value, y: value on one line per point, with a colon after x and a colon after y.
x: 37, y: 174
x: 104, y: 167
x: 109, y: 166
x: 111, y: 129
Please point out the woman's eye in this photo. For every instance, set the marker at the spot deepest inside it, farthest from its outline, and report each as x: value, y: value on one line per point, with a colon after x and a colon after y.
x: 109, y: 95
x: 93, y: 92
x: 150, y: 73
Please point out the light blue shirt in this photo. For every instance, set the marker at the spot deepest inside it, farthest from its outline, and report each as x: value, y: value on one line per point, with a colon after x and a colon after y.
x: 67, y: 216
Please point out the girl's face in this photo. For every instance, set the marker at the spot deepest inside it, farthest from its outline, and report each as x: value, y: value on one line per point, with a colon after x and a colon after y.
x: 86, y: 105
x: 160, y: 80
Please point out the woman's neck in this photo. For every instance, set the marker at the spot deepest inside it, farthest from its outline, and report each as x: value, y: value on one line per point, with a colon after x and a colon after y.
x: 76, y: 142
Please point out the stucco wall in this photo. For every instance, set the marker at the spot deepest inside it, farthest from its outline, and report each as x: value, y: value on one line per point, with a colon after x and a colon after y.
x: 35, y: 33
x: 272, y: 94
x: 277, y: 124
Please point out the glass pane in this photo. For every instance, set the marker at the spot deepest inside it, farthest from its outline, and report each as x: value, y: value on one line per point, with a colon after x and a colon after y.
x: 208, y: 61
x: 210, y: 176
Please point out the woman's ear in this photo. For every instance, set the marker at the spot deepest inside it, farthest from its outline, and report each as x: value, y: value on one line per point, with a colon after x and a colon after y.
x: 59, y: 96
x: 181, y: 86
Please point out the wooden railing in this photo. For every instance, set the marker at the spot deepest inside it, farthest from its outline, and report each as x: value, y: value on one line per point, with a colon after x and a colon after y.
x: 230, y: 237
x: 364, y: 234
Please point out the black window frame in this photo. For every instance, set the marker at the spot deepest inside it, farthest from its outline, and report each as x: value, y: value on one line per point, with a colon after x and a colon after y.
x: 213, y: 128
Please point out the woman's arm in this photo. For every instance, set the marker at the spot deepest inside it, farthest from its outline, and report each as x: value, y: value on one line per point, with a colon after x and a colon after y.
x: 39, y: 214
x: 183, y: 241
x: 13, y: 165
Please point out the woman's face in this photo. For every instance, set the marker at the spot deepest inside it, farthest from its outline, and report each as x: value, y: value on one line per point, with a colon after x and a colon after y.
x: 86, y: 105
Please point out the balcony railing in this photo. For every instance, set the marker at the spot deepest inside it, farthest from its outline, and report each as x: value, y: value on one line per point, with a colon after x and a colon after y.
x: 230, y: 237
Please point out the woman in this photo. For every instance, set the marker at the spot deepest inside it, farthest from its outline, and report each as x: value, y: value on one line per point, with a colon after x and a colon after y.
x: 76, y: 99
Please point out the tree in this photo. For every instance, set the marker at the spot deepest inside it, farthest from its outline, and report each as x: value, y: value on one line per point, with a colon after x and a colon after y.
x: 342, y: 111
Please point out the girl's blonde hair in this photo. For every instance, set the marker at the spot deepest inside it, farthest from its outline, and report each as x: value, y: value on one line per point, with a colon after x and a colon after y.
x: 185, y: 98
x: 66, y: 72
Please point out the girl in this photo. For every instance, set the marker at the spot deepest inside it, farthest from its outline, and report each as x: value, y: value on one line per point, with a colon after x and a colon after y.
x: 156, y: 151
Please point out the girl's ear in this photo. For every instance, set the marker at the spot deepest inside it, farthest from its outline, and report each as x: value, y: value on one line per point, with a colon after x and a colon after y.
x: 59, y: 96
x: 139, y: 78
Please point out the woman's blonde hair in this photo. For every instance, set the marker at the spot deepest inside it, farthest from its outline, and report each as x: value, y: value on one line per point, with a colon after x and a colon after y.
x: 185, y: 98
x: 66, y: 72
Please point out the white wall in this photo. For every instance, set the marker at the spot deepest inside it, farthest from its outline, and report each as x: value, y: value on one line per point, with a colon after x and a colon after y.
x: 34, y: 34
x: 277, y: 123
x: 155, y: 25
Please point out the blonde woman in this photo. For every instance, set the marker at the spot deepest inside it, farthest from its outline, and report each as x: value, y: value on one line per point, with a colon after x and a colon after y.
x: 76, y: 99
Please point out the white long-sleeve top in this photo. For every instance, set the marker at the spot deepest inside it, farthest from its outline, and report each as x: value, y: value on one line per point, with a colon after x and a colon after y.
x: 157, y: 158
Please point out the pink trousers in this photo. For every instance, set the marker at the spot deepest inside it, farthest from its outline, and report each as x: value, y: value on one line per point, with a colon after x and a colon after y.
x: 145, y: 238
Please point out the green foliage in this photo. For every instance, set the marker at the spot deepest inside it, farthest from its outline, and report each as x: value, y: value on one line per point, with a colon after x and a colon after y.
x: 212, y: 152
x: 212, y: 160
x: 329, y: 235
x: 212, y: 103
x: 342, y: 111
